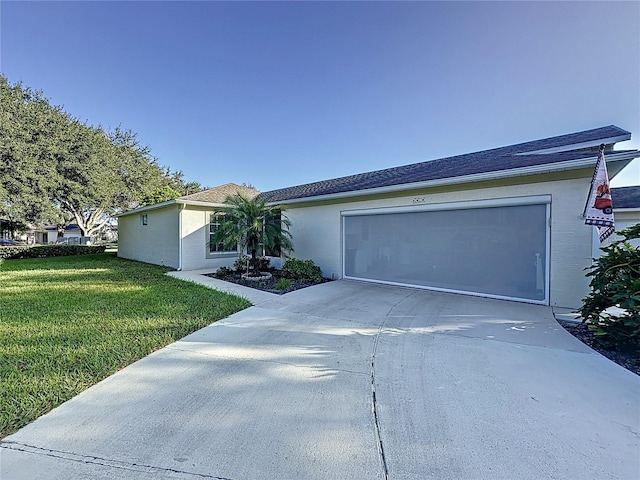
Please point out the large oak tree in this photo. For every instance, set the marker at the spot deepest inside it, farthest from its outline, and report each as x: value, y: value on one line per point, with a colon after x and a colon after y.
x: 54, y: 168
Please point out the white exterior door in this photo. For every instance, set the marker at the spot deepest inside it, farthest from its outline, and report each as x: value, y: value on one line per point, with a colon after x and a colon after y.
x: 490, y: 248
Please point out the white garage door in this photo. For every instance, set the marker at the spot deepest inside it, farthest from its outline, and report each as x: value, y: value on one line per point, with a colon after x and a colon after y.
x: 492, y: 248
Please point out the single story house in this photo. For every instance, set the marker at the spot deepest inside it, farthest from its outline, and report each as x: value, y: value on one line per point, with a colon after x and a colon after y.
x: 504, y: 223
x: 176, y: 233
x: 45, y: 234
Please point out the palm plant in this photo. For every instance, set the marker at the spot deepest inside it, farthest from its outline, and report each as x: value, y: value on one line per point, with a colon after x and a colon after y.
x: 250, y: 222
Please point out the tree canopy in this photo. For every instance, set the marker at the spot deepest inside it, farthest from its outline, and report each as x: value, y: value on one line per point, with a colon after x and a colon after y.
x: 55, y: 168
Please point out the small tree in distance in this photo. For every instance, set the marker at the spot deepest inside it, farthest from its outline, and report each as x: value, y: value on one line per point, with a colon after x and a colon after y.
x: 249, y: 223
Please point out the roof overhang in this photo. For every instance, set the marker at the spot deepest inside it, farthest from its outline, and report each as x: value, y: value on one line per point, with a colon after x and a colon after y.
x: 171, y: 203
x: 580, y: 146
x: 612, y: 157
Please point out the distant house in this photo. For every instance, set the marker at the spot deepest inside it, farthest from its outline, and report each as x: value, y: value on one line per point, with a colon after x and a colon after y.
x: 177, y: 233
x: 44, y: 234
x: 503, y: 223
x: 107, y: 234
x: 626, y: 208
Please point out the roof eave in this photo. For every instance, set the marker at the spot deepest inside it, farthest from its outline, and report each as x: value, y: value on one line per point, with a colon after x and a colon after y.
x: 147, y: 208
x: 626, y: 210
x: 170, y: 203
x: 198, y: 203
x: 582, y: 145
x: 477, y: 177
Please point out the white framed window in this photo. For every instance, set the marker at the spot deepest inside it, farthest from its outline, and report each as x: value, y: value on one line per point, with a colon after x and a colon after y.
x: 214, y: 225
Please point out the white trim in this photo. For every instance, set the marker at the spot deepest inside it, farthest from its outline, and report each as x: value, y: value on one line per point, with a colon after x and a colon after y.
x: 446, y: 290
x: 465, y: 205
x: 577, y: 146
x: 595, y: 243
x: 547, y: 266
x: 626, y: 210
x: 170, y: 203
x: 207, y: 247
x: 197, y: 203
x: 180, y: 238
x: 147, y: 208
x: 476, y: 177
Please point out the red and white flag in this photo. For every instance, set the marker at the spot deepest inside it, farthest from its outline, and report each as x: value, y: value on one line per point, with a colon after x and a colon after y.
x: 599, y: 208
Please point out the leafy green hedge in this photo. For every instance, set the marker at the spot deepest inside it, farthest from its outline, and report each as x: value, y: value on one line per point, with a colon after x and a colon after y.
x: 41, y: 251
x: 240, y: 265
x: 302, y: 270
x: 615, y: 281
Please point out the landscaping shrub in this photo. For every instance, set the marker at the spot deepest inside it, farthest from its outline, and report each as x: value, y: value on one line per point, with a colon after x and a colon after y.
x: 240, y: 265
x: 222, y: 272
x: 283, y: 284
x: 615, y: 282
x: 265, y: 263
x: 302, y: 270
x: 42, y: 251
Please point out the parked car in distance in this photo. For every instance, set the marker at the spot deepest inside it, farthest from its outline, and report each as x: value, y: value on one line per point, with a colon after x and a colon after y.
x: 5, y: 242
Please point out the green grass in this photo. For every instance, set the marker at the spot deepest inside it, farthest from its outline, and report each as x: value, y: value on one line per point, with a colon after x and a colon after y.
x: 68, y: 322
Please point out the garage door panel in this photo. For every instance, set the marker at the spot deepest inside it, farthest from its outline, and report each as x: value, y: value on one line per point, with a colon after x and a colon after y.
x: 497, y: 251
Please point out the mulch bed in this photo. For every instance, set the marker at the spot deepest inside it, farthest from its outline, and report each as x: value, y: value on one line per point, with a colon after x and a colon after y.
x: 630, y: 361
x: 265, y: 285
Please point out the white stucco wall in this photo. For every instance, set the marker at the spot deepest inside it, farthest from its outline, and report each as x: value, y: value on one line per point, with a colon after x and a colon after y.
x: 195, y: 235
x: 316, y: 228
x: 157, y: 242
x: 625, y: 219
x: 175, y: 236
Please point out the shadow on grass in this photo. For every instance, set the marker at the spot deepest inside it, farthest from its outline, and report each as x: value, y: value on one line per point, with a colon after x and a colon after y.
x: 68, y: 322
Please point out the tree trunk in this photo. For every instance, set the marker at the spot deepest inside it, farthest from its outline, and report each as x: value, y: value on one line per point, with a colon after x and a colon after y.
x: 255, y: 264
x: 89, y: 225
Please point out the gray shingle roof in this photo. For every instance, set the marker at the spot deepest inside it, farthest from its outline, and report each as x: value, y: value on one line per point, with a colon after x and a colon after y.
x: 504, y: 158
x: 626, y: 197
x: 220, y: 194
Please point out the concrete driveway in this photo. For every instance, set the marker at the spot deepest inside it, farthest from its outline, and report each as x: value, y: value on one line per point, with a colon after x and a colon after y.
x: 349, y: 380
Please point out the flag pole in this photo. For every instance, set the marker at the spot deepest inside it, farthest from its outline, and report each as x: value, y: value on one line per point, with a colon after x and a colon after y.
x: 595, y: 170
x: 599, y: 208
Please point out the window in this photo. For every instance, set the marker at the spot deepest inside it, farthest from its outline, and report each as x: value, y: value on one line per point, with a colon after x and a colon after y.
x: 273, y: 251
x: 214, y: 225
x: 272, y: 222
x: 143, y: 219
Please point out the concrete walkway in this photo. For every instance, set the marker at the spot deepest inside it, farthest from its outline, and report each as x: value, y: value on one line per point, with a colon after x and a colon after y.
x: 349, y: 380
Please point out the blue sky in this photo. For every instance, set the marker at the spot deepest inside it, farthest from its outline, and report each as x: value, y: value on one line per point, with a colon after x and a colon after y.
x: 283, y: 93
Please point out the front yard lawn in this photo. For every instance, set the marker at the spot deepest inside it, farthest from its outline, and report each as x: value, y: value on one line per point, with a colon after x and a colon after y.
x: 68, y: 322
